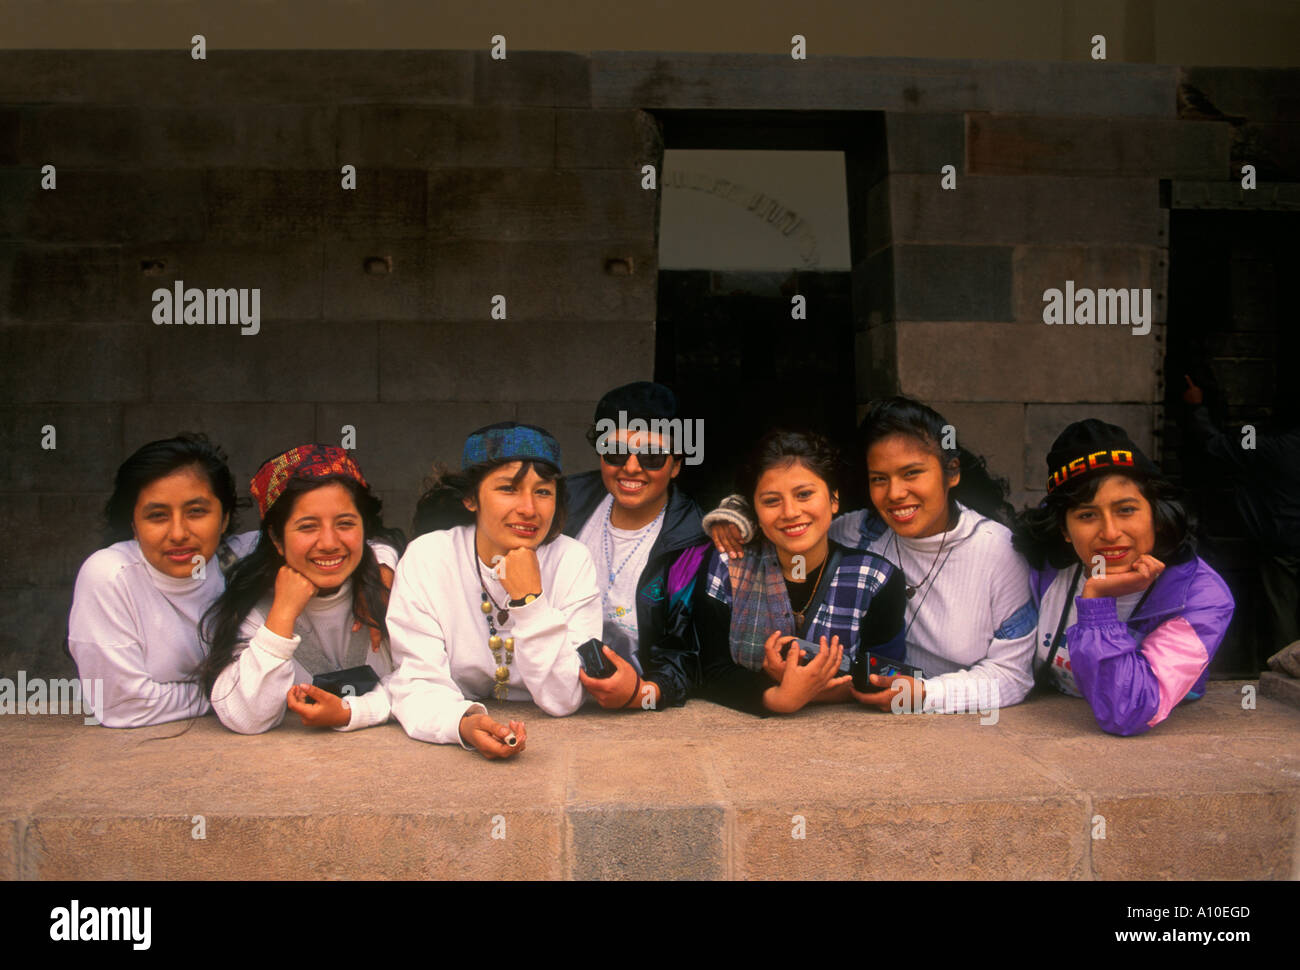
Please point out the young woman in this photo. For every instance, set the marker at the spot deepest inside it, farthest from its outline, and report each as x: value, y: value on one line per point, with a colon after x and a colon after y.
x: 309, y: 600
x: 137, y: 604
x: 1129, y: 617
x: 795, y: 583
x: 496, y: 606
x: 644, y: 536
x: 938, y: 516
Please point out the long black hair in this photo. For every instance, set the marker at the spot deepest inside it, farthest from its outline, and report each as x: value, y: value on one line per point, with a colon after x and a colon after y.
x: 442, y: 503
x: 156, y: 460
x: 1037, y: 532
x: 254, y: 576
x: 978, y: 489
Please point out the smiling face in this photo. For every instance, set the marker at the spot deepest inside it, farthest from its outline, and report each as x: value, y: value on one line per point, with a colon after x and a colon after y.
x: 324, y: 536
x: 795, y: 507
x: 636, y: 488
x: 509, y: 515
x: 176, y: 518
x: 1116, y: 524
x: 909, y: 486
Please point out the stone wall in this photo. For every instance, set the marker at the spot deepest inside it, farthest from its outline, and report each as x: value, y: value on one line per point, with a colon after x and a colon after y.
x: 522, y: 177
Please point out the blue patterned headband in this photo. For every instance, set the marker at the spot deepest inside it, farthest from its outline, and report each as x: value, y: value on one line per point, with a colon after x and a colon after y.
x: 508, y: 441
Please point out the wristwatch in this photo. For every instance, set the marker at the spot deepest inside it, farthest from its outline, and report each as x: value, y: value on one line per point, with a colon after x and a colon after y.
x: 524, y: 601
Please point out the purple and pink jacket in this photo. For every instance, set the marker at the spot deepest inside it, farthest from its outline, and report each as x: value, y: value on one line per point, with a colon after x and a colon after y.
x: 1134, y: 673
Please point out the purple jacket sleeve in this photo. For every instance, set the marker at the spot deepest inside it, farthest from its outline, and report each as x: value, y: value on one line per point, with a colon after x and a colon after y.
x: 1132, y: 686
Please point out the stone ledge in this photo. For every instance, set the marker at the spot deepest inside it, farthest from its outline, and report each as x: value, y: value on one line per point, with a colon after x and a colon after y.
x: 694, y: 792
x: 1280, y: 687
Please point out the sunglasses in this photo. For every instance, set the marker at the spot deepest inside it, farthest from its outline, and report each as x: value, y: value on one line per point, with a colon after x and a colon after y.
x: 649, y: 460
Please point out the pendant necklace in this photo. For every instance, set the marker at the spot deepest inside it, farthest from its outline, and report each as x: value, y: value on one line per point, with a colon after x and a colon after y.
x: 503, y: 648
x: 910, y: 590
x: 798, y: 614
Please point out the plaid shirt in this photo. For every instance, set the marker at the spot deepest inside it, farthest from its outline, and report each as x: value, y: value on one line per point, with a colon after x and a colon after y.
x: 853, y: 586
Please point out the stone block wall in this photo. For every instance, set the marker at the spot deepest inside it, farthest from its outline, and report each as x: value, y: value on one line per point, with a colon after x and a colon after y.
x: 474, y: 178
x: 522, y: 178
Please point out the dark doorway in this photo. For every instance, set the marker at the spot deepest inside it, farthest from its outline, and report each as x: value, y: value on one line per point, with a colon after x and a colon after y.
x: 1226, y: 273
x: 727, y: 345
x: 726, y: 340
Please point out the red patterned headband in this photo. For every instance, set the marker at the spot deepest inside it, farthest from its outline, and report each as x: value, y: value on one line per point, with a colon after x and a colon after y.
x: 305, y: 461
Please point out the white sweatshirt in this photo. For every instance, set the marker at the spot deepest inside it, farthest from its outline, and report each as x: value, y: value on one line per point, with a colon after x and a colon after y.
x: 249, y: 695
x: 136, y: 630
x: 440, y: 634
x: 972, y: 625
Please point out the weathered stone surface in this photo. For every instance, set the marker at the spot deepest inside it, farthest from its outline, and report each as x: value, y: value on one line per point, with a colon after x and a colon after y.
x: 10, y: 126
x: 1280, y: 687
x: 1230, y: 195
x: 50, y: 534
x: 378, y: 279
x: 1260, y: 94
x: 96, y: 206
x: 10, y: 836
x: 1036, y: 269
x: 550, y: 78
x: 544, y: 281
x: 924, y: 143
x: 996, y: 431
x: 288, y: 274
x: 569, y: 421
x: 1216, y: 836
x: 426, y: 136
x: 951, y: 283
x: 264, y: 205
x: 397, y: 444
x: 1026, y: 209
x: 876, y: 363
x: 1274, y: 150
x: 57, y: 284
x: 89, y: 136
x: 50, y: 362
x: 416, y: 361
x: 644, y: 810
x: 32, y: 639
x: 287, y: 361
x: 649, y: 80
x: 699, y: 790
x: 249, y: 433
x: 87, y: 445
x: 607, y: 139
x: 1111, y: 147
x: 414, y: 845
x: 236, y: 77
x: 972, y: 361
x: 509, y: 205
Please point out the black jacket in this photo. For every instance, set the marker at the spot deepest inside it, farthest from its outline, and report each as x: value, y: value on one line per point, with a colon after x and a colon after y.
x: 666, y: 589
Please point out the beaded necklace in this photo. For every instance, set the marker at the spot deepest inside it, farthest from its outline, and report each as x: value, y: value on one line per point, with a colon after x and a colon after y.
x: 503, y: 648
x: 609, y: 542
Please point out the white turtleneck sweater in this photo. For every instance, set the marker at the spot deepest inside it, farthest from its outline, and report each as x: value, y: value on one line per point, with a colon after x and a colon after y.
x: 135, y: 629
x: 250, y: 694
x: 440, y: 634
x: 971, y: 625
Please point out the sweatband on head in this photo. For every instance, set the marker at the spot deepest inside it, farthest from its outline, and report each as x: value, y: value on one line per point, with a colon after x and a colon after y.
x: 509, y: 441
